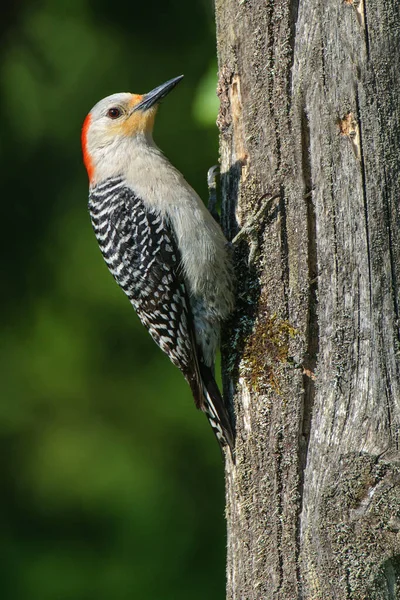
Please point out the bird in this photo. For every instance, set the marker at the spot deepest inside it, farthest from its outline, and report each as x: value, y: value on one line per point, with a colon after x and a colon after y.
x: 160, y: 243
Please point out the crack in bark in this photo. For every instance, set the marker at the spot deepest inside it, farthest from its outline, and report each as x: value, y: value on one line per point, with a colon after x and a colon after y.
x: 294, y: 13
x: 366, y: 35
x: 284, y: 252
x: 312, y: 331
x: 279, y: 483
x: 272, y: 83
x: 365, y: 196
x: 334, y: 225
x: 389, y: 399
x: 358, y: 332
x: 323, y: 67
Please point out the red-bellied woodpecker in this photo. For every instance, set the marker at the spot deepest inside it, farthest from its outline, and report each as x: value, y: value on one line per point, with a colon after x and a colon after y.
x: 160, y: 243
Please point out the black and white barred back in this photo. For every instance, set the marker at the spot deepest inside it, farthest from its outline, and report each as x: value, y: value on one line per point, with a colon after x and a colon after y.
x: 140, y: 250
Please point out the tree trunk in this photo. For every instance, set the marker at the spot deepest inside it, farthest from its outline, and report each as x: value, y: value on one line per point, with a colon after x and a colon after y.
x: 310, y: 128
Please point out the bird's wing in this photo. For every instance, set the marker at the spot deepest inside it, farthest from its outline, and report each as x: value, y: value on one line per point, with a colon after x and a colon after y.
x: 140, y: 250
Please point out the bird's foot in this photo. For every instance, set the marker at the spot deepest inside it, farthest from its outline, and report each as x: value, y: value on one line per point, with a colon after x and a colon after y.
x: 250, y: 231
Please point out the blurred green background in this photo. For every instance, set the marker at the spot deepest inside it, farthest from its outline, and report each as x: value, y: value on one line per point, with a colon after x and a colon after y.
x: 111, y: 481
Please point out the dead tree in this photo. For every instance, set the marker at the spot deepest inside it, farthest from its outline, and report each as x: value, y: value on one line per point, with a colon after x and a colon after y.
x: 310, y: 133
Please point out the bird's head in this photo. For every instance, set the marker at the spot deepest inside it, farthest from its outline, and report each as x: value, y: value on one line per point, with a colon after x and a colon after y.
x: 118, y: 117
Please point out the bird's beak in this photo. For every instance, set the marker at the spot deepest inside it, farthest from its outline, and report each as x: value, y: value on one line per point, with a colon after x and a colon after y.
x: 157, y: 94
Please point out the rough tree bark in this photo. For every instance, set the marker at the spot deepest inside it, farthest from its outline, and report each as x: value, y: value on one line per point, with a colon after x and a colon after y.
x: 310, y: 113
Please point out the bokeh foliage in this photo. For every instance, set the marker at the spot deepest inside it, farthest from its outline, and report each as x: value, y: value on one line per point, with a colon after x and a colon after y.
x: 111, y: 482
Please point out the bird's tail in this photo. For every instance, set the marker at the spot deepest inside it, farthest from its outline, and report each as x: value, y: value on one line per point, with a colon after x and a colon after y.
x: 214, y: 408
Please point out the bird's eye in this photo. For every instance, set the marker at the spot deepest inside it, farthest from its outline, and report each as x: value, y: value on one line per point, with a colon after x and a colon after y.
x: 113, y: 113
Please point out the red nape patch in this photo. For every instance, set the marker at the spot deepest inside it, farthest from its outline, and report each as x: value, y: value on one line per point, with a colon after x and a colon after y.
x: 86, y: 156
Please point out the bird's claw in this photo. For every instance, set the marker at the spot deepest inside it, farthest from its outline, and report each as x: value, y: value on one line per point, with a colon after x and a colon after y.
x: 250, y: 231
